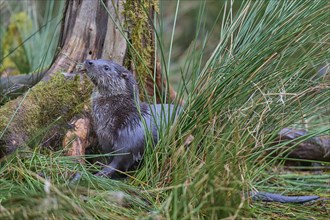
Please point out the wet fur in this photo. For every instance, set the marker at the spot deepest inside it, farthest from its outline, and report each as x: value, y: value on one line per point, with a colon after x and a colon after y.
x: 118, y: 114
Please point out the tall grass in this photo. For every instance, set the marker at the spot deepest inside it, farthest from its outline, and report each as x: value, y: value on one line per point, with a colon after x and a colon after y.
x: 37, y: 34
x: 261, y: 77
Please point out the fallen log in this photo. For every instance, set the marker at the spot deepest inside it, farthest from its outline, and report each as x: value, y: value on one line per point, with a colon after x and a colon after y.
x: 314, y: 148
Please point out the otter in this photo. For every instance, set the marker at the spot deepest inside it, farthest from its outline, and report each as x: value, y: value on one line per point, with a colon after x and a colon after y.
x: 121, y: 121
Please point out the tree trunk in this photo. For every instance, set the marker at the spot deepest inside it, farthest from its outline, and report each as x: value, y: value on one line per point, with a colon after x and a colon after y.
x: 90, y: 30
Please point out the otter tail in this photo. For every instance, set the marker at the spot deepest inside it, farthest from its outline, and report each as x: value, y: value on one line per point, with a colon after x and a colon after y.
x: 273, y: 197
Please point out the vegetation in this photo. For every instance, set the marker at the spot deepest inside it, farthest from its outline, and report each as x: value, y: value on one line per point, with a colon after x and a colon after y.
x: 29, y: 37
x: 261, y: 76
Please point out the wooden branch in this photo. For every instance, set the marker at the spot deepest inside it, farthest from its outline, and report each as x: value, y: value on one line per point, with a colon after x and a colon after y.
x: 316, y: 148
x: 79, y: 137
x: 13, y: 86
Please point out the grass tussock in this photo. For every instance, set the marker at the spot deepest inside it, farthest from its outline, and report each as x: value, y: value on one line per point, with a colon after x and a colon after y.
x: 261, y: 77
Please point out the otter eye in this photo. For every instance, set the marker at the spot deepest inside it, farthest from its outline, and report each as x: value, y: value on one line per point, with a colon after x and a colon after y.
x: 106, y: 68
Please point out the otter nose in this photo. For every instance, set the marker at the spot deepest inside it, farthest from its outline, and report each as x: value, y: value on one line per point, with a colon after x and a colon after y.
x: 89, y: 62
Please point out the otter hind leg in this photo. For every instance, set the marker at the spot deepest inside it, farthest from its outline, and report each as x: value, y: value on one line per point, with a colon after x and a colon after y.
x: 119, y: 163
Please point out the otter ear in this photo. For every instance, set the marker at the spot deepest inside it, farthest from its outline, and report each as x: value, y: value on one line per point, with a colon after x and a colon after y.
x: 124, y: 75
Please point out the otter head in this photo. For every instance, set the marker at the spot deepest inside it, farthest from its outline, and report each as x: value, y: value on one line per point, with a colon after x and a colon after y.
x: 111, y: 79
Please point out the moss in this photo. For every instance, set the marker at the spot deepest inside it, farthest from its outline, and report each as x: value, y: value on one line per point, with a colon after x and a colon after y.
x: 141, y: 34
x: 48, y: 104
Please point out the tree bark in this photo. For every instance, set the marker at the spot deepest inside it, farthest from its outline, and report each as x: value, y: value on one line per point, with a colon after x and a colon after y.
x: 14, y: 86
x: 90, y: 30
